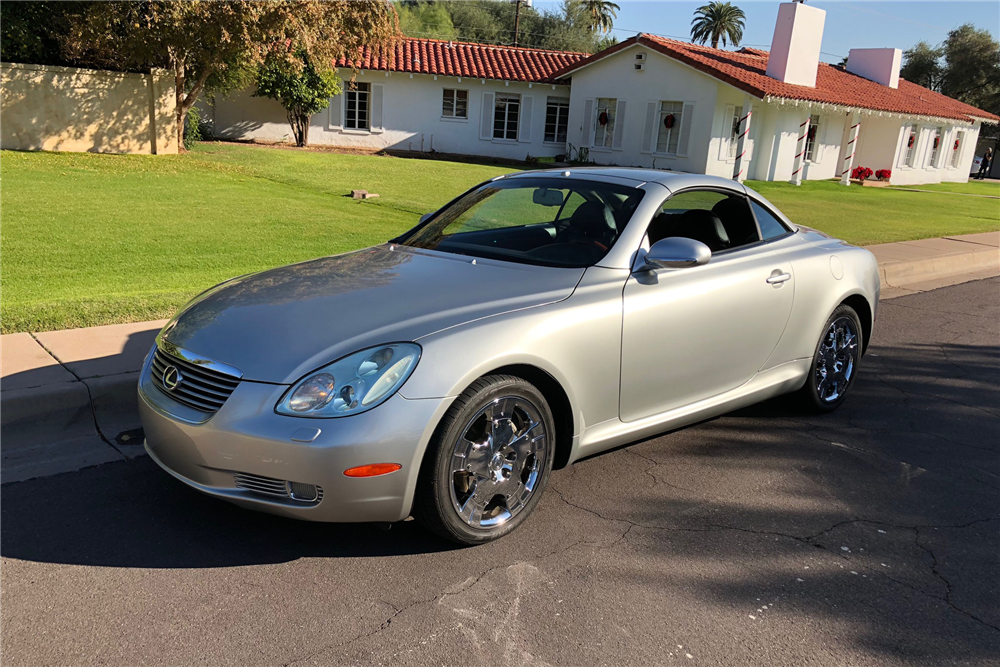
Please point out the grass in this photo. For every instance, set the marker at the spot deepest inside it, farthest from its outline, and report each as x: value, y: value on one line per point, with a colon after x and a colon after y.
x: 991, y: 188
x: 864, y: 216
x: 100, y: 239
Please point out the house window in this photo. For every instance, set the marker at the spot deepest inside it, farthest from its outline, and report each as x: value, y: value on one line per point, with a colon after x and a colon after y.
x: 455, y: 103
x: 356, y: 107
x: 667, y: 138
x: 734, y: 133
x: 956, y: 153
x: 604, y: 135
x: 506, y: 110
x: 936, y: 142
x: 556, y: 117
x: 910, y: 146
x: 812, y: 139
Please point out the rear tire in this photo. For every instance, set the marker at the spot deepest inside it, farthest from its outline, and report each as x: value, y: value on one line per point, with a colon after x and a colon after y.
x: 835, y: 362
x: 488, y: 462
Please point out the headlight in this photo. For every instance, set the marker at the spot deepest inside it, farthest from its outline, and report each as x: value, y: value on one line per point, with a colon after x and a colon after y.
x: 356, y: 383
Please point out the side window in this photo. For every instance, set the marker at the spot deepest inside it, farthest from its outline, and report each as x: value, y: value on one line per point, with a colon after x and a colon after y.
x: 720, y: 220
x: 770, y: 226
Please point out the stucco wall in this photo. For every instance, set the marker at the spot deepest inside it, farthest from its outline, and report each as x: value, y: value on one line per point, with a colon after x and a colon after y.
x: 882, y: 145
x: 661, y: 79
x: 79, y: 110
x: 411, y: 118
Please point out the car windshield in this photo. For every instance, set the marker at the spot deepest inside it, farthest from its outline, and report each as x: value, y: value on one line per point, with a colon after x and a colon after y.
x: 545, y: 221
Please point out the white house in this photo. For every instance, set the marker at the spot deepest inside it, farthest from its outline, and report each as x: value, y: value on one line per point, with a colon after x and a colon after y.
x: 650, y: 102
x: 429, y: 95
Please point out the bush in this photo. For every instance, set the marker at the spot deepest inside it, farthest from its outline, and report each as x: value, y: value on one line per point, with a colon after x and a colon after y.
x: 883, y: 174
x: 192, y: 127
x: 861, y: 173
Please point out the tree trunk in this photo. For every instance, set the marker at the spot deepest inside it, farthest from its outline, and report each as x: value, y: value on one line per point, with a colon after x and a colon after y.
x: 715, y: 41
x: 186, y: 101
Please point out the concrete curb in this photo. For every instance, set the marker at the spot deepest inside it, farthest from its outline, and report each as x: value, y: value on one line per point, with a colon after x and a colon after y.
x: 69, y: 398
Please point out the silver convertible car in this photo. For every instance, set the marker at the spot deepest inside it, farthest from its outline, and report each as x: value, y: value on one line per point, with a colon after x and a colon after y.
x: 537, y: 319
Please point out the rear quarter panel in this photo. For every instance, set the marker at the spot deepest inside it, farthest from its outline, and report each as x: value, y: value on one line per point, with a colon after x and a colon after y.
x: 817, y: 260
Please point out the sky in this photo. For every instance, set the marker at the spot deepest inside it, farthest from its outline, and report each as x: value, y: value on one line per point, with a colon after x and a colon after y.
x: 848, y: 24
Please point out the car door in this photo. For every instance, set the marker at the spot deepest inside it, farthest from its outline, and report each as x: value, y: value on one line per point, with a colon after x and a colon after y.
x: 692, y: 333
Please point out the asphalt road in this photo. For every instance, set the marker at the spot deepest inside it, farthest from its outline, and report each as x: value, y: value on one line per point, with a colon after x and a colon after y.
x: 766, y: 537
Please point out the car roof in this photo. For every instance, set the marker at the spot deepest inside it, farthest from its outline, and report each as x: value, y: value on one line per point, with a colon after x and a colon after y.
x: 672, y: 180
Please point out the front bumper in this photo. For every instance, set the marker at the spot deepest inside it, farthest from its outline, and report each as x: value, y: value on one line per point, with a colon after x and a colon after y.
x: 246, y: 436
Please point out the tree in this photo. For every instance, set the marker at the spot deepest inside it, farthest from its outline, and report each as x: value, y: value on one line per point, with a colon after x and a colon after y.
x: 303, y: 91
x: 718, y: 21
x: 602, y: 14
x: 425, y: 19
x: 972, y: 68
x: 30, y: 31
x: 922, y: 65
x: 219, y: 46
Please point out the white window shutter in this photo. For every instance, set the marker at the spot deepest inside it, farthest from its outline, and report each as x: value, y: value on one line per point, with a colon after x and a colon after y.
x: 902, y: 146
x: 648, y: 129
x: 727, y: 132
x: 686, y: 120
x: 336, y: 112
x: 378, y: 91
x: 821, y: 138
x: 616, y: 141
x: 588, y: 123
x: 524, y: 122
x: 486, y: 118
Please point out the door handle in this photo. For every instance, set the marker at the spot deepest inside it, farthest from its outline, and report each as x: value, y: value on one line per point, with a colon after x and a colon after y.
x: 778, y: 278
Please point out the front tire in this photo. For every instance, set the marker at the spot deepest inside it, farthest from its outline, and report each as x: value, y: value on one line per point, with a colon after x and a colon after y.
x: 835, y: 362
x: 488, y: 463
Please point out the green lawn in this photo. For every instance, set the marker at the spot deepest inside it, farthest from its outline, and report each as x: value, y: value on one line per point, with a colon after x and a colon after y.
x: 991, y: 188
x: 864, y: 216
x: 99, y: 239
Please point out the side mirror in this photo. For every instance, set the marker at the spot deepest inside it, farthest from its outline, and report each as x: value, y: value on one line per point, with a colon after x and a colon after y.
x: 425, y: 216
x: 677, y: 253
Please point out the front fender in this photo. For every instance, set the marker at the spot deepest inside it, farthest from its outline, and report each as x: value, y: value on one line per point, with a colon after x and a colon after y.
x: 576, y: 341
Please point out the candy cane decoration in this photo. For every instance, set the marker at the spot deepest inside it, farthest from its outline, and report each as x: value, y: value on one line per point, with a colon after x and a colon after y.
x: 800, y: 146
x: 849, y: 149
x: 741, y: 143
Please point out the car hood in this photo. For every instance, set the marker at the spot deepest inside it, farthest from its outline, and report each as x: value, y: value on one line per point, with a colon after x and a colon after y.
x: 278, y: 325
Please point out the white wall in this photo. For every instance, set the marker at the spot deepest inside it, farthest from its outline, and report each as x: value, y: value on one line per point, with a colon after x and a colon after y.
x: 778, y: 138
x: 662, y: 79
x: 411, y: 118
x: 882, y: 145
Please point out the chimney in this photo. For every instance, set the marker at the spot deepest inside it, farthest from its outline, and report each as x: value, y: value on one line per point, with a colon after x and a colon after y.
x: 795, y: 46
x: 878, y: 65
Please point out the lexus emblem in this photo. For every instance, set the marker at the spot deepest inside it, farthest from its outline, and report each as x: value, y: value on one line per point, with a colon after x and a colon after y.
x: 172, y: 378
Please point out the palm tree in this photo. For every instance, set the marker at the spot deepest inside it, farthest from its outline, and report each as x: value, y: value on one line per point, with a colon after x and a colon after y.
x: 602, y: 14
x: 718, y: 21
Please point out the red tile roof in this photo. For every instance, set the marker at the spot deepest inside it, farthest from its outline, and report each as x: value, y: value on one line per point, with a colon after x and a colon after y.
x: 476, y: 61
x: 746, y: 70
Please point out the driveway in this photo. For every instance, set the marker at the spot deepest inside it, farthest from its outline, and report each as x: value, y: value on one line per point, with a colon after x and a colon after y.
x: 765, y: 537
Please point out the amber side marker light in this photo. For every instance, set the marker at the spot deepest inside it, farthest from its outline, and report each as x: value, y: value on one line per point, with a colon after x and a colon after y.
x: 372, y: 469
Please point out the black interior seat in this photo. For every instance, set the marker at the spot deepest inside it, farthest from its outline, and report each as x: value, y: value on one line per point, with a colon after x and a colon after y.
x: 701, y: 225
x: 592, y: 221
x: 736, y: 217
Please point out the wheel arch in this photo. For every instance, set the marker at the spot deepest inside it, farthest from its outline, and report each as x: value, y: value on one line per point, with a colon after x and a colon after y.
x: 864, y: 310
x: 556, y: 397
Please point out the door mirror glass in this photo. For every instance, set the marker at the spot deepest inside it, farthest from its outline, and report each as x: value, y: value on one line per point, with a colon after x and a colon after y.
x: 676, y: 252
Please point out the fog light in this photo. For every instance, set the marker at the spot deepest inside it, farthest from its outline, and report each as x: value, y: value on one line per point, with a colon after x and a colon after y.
x: 305, y: 492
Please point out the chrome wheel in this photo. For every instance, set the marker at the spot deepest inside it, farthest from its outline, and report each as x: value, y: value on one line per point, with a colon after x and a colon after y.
x: 497, y: 462
x: 836, y: 359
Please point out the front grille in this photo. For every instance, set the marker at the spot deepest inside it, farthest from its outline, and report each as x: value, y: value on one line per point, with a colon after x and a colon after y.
x: 197, y: 386
x: 269, y: 486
